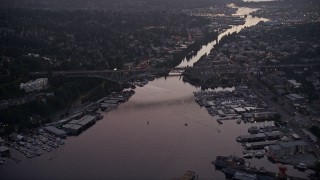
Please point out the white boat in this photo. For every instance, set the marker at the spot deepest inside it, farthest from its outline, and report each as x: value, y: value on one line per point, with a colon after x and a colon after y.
x: 259, y: 154
x: 301, y: 166
x: 248, y: 155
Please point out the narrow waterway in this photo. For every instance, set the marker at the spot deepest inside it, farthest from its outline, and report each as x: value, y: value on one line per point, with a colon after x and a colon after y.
x: 123, y: 145
x: 250, y: 21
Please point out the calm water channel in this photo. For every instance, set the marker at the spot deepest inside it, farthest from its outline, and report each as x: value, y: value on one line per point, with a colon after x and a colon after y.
x: 123, y: 146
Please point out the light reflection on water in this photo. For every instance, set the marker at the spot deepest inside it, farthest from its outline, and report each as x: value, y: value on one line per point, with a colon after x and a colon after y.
x: 250, y: 21
x: 124, y: 146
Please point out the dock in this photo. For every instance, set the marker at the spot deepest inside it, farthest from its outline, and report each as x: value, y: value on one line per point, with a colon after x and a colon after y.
x: 245, y: 171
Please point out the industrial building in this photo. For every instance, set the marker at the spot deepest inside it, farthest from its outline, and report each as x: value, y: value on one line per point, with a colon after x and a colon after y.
x: 55, y: 131
x: 75, y: 127
x: 289, y: 148
x: 274, y: 135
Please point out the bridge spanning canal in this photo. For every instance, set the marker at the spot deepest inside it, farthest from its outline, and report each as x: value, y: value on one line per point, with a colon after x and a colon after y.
x: 126, y: 75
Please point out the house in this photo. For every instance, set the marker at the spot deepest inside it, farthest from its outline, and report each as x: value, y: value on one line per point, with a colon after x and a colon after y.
x: 239, y: 110
x: 16, y: 137
x: 293, y: 84
x: 295, y: 97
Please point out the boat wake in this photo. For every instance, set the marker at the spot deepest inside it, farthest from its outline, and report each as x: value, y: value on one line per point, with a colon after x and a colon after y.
x: 154, y: 89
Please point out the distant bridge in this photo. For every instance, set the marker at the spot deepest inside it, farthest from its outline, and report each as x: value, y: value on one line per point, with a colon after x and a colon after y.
x: 126, y: 75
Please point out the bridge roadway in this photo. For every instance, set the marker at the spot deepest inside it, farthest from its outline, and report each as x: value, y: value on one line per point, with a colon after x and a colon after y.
x: 173, y: 70
x: 121, y: 76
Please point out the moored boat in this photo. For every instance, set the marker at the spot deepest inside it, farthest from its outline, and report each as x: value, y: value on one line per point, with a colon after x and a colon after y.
x: 253, y: 130
x: 225, y: 161
x: 259, y: 154
x: 301, y: 166
x: 248, y: 155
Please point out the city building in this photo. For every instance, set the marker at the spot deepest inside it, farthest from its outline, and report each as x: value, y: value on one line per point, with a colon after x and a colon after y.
x: 35, y: 85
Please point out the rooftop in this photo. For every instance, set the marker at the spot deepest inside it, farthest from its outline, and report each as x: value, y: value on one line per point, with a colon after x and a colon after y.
x: 55, y: 130
x: 293, y: 144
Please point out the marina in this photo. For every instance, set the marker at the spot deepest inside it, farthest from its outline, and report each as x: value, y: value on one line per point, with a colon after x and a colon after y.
x: 275, y: 135
x: 237, y: 103
x: 237, y: 168
x: 278, y: 144
x: 49, y: 137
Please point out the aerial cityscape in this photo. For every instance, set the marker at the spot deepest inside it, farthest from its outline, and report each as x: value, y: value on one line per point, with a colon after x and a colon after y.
x: 160, y: 89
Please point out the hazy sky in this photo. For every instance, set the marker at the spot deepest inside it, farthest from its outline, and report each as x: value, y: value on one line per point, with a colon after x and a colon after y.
x: 256, y: 0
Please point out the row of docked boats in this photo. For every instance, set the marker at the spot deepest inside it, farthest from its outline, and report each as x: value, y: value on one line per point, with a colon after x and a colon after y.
x: 256, y: 130
x: 226, y: 103
x: 225, y: 161
x: 256, y: 154
x: 140, y: 83
x: 237, y: 168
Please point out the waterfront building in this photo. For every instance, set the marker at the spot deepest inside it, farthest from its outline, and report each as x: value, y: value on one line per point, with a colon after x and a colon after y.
x: 75, y: 127
x: 273, y: 135
x: 289, y: 148
x: 55, y: 131
x: 72, y: 129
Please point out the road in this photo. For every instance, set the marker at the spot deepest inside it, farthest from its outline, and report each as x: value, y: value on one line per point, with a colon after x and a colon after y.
x: 267, y: 97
